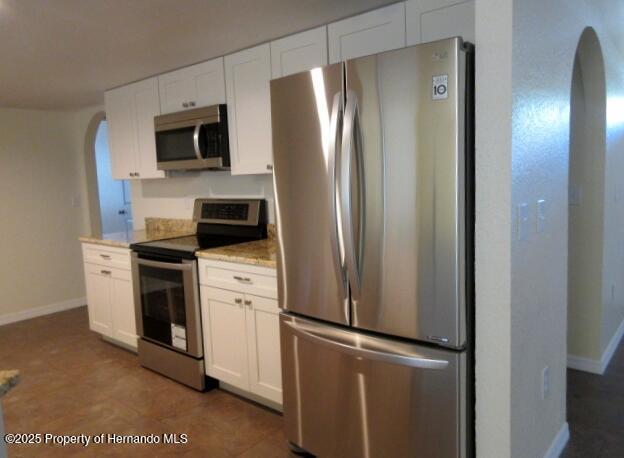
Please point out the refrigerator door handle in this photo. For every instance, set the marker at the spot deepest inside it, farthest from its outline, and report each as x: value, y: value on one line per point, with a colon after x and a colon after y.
x: 337, y: 244
x: 323, y: 336
x: 346, y: 210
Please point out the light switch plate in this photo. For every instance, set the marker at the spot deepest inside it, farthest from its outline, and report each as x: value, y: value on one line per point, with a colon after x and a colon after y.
x: 540, y: 223
x: 523, y: 222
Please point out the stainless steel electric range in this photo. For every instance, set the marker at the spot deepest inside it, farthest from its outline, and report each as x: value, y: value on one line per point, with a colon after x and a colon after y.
x: 166, y: 287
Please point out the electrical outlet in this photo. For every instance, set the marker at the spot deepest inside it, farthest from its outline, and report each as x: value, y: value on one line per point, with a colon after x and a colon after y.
x: 575, y: 194
x: 545, y: 382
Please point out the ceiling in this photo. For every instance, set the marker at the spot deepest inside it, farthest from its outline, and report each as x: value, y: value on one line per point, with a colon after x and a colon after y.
x: 63, y: 54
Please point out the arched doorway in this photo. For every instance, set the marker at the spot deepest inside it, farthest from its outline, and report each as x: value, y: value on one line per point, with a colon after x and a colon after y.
x: 586, y: 202
x: 109, y: 199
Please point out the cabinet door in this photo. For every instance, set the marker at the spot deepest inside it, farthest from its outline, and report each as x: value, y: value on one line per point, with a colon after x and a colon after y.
x: 122, y: 140
x: 247, y: 76
x: 369, y: 33
x: 98, y: 281
x: 430, y: 20
x: 263, y: 340
x: 122, y: 308
x: 147, y: 105
x: 224, y: 331
x: 300, y: 52
x: 192, y: 87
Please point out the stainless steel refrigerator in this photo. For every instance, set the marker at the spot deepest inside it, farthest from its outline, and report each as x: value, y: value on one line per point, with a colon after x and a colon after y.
x: 373, y: 180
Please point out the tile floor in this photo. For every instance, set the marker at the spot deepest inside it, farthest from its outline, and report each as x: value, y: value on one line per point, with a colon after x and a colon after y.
x: 72, y: 383
x: 596, y: 411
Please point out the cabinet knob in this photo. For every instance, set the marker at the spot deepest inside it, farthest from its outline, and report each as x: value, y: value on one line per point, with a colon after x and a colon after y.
x: 105, y: 272
x: 191, y: 104
x: 131, y: 174
x: 185, y: 104
x: 105, y: 256
x: 136, y: 174
x: 243, y: 279
x: 247, y: 302
x: 269, y: 166
x: 238, y: 300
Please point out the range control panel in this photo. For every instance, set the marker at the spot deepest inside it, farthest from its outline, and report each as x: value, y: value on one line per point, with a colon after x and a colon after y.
x: 237, y: 212
x: 246, y: 212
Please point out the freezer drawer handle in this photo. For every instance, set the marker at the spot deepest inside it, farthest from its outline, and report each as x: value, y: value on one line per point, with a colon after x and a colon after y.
x: 392, y: 358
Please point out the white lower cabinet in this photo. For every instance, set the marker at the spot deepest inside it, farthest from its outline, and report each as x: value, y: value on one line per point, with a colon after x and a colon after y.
x: 110, y: 297
x: 241, y: 329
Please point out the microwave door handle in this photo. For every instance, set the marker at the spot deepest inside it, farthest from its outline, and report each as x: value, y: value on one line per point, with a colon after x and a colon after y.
x: 346, y: 210
x: 196, y: 142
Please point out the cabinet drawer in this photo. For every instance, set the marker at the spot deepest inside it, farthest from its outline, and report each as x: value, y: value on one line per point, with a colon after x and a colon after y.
x: 106, y: 256
x: 245, y: 279
x: 223, y: 295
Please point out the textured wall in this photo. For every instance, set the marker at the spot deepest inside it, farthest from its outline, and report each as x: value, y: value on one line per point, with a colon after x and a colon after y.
x: 545, y: 37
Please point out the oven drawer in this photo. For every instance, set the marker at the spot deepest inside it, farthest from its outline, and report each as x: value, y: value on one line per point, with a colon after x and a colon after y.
x: 106, y: 256
x: 259, y: 281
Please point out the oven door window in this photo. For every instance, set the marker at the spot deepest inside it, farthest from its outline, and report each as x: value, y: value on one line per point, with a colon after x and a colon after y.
x: 163, y: 305
x: 179, y: 144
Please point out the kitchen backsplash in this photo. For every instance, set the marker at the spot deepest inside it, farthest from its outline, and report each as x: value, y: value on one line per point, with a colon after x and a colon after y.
x: 169, y: 226
x: 174, y: 196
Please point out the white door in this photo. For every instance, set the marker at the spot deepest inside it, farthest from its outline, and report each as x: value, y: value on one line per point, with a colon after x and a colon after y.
x: 122, y: 308
x: 369, y: 33
x: 263, y: 340
x: 122, y: 140
x: 192, y: 87
x: 430, y: 20
x: 147, y: 104
x: 98, y: 280
x: 247, y: 76
x: 300, y: 52
x: 225, y: 341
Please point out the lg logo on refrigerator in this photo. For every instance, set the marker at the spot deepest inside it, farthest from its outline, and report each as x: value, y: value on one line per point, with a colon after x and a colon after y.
x: 440, y: 87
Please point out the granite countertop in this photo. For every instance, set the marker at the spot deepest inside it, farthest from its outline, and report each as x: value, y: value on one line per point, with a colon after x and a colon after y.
x: 8, y: 379
x: 259, y: 253
x: 155, y: 229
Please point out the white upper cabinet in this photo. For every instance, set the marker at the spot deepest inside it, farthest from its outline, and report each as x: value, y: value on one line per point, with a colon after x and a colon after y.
x: 196, y: 86
x: 247, y: 77
x: 130, y: 112
x: 430, y: 20
x: 122, y: 139
x: 147, y: 105
x: 300, y: 52
x: 369, y: 33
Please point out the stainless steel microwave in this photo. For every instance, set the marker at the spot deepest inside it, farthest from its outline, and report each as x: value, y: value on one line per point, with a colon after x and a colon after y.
x: 193, y: 139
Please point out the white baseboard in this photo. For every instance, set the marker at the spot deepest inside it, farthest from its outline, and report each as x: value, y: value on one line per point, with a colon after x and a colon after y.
x: 43, y: 310
x: 559, y: 442
x: 596, y: 366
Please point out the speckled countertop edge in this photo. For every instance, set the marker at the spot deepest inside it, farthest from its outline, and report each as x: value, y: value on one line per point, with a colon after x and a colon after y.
x: 8, y: 379
x: 258, y: 253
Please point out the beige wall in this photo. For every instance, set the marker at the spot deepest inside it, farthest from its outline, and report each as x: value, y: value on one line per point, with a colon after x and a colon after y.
x: 39, y: 220
x: 586, y: 201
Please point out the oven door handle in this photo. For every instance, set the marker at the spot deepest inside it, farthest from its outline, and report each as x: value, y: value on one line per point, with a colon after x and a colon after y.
x: 166, y: 265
